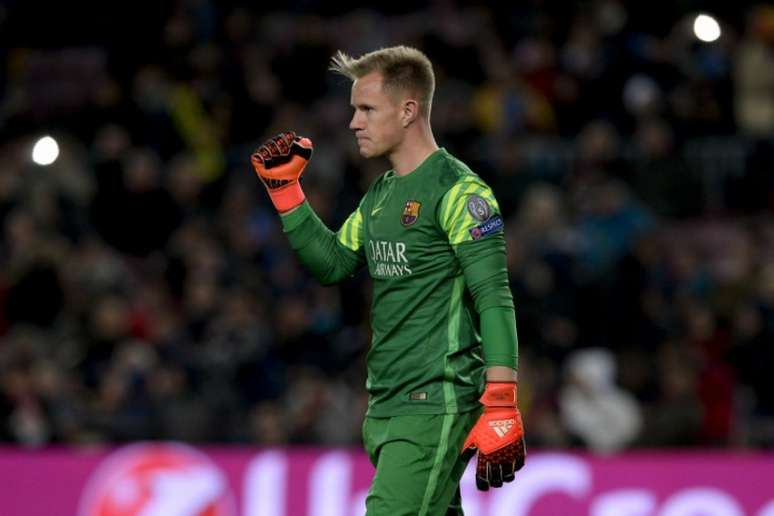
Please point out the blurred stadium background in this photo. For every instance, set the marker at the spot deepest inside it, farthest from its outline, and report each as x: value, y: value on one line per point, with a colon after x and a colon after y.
x: 147, y: 293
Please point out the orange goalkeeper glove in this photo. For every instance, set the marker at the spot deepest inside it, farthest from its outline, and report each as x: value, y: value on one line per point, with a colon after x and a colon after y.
x: 498, y: 435
x: 279, y: 162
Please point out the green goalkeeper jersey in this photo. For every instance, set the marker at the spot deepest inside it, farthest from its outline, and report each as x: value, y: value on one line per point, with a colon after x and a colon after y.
x: 432, y: 241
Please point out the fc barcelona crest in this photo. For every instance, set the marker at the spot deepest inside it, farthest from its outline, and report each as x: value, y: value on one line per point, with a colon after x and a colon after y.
x: 410, y: 213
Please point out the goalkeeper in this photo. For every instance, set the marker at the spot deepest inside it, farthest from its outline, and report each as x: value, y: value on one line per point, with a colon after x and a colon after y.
x: 443, y: 357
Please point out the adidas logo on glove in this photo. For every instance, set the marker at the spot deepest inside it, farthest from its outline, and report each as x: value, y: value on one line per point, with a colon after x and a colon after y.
x: 501, y: 427
x: 503, y: 452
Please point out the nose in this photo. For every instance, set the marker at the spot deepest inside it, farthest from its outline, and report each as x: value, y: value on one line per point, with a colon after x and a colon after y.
x: 356, y: 122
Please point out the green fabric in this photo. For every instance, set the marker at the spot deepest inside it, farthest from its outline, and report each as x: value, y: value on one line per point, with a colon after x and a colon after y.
x: 486, y: 276
x: 318, y: 248
x: 498, y: 333
x: 292, y: 219
x: 418, y: 463
x: 486, y: 273
x: 454, y: 217
x: 453, y: 337
x: 426, y: 354
x: 351, y: 233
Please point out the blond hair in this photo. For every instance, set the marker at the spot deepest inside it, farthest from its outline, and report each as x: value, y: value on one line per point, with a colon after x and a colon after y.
x: 403, y: 69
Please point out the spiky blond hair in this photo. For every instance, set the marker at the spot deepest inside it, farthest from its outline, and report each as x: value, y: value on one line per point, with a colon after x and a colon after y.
x: 403, y: 69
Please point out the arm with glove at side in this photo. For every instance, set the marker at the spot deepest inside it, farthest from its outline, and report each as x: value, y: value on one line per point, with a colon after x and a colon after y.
x: 329, y: 257
x: 470, y: 216
x: 498, y: 435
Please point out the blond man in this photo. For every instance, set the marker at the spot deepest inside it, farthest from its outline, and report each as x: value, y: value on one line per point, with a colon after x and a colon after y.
x: 443, y: 357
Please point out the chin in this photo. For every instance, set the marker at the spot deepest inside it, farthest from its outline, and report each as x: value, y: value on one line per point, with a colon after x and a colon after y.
x: 369, y: 150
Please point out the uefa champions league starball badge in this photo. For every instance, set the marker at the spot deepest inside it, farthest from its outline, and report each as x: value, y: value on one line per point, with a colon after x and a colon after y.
x: 478, y: 208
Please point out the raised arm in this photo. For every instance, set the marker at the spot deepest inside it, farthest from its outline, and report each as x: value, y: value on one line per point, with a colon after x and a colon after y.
x: 329, y: 257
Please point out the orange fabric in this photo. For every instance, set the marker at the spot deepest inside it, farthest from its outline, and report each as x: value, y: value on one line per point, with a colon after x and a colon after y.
x: 500, y: 424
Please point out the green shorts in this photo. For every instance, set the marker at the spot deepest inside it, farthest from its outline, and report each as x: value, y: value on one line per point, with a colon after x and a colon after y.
x: 418, y: 463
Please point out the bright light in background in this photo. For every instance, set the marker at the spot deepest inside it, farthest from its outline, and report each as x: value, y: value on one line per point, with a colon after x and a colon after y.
x: 706, y: 28
x: 45, y: 151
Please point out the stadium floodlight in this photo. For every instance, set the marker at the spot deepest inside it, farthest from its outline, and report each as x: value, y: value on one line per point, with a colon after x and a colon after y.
x: 706, y: 28
x: 45, y: 151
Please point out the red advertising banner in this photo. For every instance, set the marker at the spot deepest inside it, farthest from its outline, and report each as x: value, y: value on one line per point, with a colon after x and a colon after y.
x: 171, y: 479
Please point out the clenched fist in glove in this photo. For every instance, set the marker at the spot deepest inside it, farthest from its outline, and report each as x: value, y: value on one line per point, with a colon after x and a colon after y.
x: 279, y: 162
x: 498, y: 435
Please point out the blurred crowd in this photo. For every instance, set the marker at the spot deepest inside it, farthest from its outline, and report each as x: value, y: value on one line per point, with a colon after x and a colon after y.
x: 147, y: 290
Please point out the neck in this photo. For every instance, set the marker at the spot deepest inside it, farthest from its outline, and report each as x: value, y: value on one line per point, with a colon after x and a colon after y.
x: 417, y: 145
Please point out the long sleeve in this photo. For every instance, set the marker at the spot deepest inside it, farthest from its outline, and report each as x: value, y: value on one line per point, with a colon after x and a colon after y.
x: 330, y: 257
x: 470, y: 216
x: 484, y: 266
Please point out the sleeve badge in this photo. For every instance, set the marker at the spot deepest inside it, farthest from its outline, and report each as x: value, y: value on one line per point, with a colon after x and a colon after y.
x: 478, y: 208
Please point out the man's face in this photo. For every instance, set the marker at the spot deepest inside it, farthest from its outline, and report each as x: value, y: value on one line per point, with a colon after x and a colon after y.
x: 377, y: 118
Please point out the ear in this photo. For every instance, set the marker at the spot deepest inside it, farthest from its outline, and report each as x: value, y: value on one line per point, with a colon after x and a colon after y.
x: 409, y: 112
